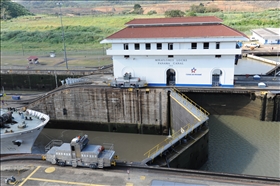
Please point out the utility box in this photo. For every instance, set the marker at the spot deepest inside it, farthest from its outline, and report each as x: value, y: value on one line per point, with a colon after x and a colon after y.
x: 261, y: 85
x: 16, y: 97
x: 257, y: 77
x: 52, y: 54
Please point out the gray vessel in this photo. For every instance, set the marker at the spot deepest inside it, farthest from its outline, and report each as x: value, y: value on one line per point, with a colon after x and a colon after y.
x: 19, y: 129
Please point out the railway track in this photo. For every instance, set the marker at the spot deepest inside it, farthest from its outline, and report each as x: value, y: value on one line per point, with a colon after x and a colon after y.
x: 121, y: 167
x: 241, y: 90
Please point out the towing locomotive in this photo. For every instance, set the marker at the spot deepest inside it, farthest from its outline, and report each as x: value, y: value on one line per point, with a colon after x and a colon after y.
x: 127, y: 81
x: 79, y: 153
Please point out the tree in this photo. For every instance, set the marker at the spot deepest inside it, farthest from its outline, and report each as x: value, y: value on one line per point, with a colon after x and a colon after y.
x: 12, y: 10
x: 137, y: 9
x: 3, y: 7
x: 174, y: 13
x: 137, y: 6
x: 198, y: 8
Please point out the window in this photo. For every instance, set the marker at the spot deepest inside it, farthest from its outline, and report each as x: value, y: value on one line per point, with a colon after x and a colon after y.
x: 159, y: 46
x: 72, y: 148
x: 148, y: 46
x: 237, y: 46
x: 194, y: 45
x: 125, y: 46
x: 64, y: 111
x: 126, y: 56
x: 218, y: 56
x: 170, y: 56
x: 170, y: 46
x: 205, y: 45
x: 217, y: 45
x: 137, y: 46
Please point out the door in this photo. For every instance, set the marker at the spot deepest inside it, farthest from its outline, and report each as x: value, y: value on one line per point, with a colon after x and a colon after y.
x: 170, y: 77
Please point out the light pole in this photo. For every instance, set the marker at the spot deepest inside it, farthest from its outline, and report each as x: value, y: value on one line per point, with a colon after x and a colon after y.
x: 65, y: 57
x: 277, y: 64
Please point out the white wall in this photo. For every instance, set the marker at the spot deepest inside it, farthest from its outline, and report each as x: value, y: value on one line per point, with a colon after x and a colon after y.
x: 262, y: 40
x: 154, y: 68
x: 153, y: 64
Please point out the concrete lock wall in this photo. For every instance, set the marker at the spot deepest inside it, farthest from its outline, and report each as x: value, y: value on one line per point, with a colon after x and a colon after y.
x: 107, y: 109
x: 42, y: 82
x: 277, y: 108
x: 257, y: 105
x: 146, y: 112
x: 179, y: 116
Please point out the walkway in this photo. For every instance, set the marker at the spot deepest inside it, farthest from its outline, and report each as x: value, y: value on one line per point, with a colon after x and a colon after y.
x: 194, y: 112
x: 30, y: 172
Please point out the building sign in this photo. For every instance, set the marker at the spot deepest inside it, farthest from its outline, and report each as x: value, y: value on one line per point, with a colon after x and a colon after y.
x: 193, y: 72
x: 170, y: 61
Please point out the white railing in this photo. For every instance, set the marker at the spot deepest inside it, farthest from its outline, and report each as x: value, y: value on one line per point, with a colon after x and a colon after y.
x: 192, y: 52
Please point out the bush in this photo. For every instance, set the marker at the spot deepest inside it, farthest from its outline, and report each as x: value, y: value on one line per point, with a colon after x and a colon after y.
x: 191, y: 13
x: 212, y: 8
x: 174, y: 13
x: 198, y: 8
x: 152, y: 12
x: 10, y: 35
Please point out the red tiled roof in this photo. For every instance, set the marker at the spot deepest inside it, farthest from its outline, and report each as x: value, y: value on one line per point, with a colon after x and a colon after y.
x: 174, y: 20
x: 186, y: 31
x: 32, y: 58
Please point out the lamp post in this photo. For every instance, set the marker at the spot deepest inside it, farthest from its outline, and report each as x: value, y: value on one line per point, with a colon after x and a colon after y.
x: 65, y: 57
x: 277, y: 65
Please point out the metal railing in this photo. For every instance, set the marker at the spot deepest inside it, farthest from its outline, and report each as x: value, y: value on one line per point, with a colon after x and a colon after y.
x: 108, y: 147
x: 53, y: 143
x: 191, y: 101
x: 170, y: 140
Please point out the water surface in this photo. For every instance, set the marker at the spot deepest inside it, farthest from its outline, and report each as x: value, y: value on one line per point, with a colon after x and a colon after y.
x: 238, y: 145
x: 250, y: 66
x: 242, y: 145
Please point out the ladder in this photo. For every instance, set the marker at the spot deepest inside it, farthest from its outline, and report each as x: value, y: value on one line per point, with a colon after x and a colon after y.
x: 74, y: 163
x: 100, y: 163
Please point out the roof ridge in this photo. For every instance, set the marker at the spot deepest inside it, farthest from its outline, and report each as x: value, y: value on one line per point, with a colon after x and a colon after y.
x: 169, y: 31
x: 236, y: 31
x: 161, y: 20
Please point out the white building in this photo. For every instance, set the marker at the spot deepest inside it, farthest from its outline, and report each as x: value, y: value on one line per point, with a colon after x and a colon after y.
x: 188, y: 51
x: 267, y: 35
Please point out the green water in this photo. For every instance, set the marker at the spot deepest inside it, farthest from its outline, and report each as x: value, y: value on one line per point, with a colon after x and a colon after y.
x: 242, y: 145
x: 237, y: 144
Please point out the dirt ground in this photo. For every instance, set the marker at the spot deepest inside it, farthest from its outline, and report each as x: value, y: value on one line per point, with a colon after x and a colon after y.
x: 263, y: 48
x: 161, y: 7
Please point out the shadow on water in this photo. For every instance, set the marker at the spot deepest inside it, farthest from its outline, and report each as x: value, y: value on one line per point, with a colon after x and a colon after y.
x: 237, y: 145
x: 129, y: 147
x: 243, y: 145
x: 228, y: 104
x: 229, y: 152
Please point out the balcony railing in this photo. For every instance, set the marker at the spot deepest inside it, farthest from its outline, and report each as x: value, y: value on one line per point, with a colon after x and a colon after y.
x: 193, y: 52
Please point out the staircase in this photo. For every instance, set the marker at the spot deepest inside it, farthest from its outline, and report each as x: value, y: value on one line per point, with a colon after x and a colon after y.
x: 199, y: 115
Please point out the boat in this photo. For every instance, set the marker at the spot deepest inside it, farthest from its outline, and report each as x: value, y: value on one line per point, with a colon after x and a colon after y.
x: 19, y: 129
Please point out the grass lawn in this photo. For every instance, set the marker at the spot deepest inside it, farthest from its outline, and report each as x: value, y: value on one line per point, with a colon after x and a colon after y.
x: 46, y: 62
x: 14, y: 52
